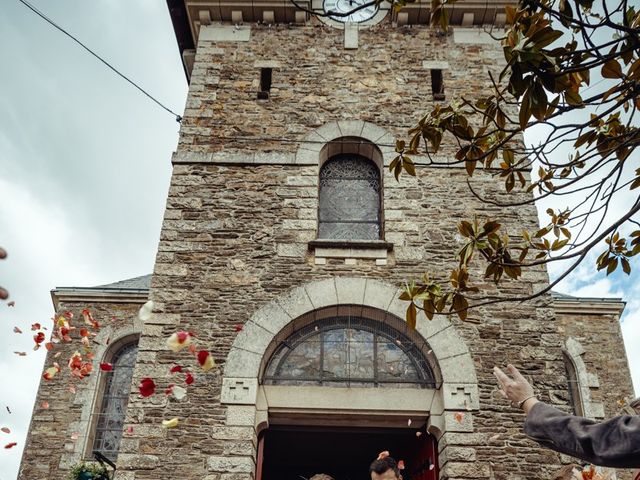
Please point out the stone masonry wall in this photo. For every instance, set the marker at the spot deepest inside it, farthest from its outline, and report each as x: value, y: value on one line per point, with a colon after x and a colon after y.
x: 604, y: 355
x: 236, y: 236
x: 51, y: 448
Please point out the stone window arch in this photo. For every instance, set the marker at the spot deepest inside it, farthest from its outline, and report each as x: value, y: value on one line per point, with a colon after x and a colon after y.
x: 113, y: 397
x: 337, y: 348
x: 575, y: 395
x: 350, y: 191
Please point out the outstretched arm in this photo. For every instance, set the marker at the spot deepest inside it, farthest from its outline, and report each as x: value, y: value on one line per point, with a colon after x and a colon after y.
x: 613, y: 443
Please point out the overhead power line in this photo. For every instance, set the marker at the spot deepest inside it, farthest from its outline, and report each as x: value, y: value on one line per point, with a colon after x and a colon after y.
x: 58, y: 27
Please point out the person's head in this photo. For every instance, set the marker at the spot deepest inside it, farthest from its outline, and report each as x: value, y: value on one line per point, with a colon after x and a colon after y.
x: 321, y: 476
x: 385, y: 468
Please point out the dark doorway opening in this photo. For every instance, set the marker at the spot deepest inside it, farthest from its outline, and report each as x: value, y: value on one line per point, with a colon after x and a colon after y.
x: 297, y: 453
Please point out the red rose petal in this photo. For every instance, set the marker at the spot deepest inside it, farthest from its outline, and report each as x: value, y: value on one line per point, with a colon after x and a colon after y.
x: 176, y: 369
x: 147, y: 387
x: 239, y: 327
x: 189, y: 379
x: 10, y: 445
x: 35, y: 326
x: 106, y: 367
x: 16, y: 330
x: 5, y: 430
x: 401, y: 465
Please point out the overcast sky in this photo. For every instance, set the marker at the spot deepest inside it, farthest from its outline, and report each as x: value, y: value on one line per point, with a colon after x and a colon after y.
x: 85, y: 168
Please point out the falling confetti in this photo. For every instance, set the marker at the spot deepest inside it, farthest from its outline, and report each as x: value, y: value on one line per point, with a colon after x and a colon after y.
x: 5, y: 430
x: 401, y: 465
x: 145, y: 311
x: 16, y: 330
x: 147, y: 387
x: 409, y: 423
x: 205, y: 360
x: 418, y: 434
x: 179, y: 340
x: 384, y: 454
x: 432, y: 466
x: 173, y: 423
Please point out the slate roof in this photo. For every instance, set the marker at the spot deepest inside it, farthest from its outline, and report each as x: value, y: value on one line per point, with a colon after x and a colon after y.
x: 136, y: 283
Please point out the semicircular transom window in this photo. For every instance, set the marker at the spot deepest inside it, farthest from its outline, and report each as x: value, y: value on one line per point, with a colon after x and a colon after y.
x: 349, y: 351
x: 349, y: 203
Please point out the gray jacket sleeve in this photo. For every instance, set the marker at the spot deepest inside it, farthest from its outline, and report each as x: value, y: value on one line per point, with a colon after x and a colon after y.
x: 612, y: 443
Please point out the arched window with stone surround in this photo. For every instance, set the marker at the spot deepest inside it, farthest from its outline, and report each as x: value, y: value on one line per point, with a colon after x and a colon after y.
x: 348, y: 348
x: 112, y: 399
x: 350, y: 193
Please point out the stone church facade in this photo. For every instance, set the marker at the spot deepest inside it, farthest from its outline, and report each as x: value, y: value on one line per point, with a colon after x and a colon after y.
x: 284, y: 245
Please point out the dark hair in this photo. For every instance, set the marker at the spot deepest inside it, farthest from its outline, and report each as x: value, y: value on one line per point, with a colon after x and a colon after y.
x: 383, y: 465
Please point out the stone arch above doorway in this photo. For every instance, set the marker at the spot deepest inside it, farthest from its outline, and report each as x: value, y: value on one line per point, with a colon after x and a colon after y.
x: 459, y: 388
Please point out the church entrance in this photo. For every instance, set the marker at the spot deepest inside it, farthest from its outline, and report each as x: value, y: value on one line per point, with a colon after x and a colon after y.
x: 297, y: 453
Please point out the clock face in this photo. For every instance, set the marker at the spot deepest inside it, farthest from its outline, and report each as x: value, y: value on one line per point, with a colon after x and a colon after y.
x: 344, y: 6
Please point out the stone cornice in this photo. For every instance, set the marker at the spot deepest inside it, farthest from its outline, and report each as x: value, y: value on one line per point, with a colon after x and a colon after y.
x: 98, y: 295
x: 589, y: 306
x: 187, y: 16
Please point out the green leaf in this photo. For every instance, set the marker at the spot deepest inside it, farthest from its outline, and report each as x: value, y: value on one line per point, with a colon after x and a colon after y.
x: 412, y: 314
x: 429, y: 308
x: 525, y: 109
x: 612, y: 69
x: 613, y: 264
x: 470, y: 166
x: 409, y: 166
x: 626, y: 268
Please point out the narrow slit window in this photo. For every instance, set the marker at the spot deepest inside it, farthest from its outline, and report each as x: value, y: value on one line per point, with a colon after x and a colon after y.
x: 437, y: 85
x: 265, y: 83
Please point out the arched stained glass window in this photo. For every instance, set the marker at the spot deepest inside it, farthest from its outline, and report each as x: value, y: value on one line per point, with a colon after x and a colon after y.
x: 349, y: 203
x: 349, y: 351
x: 113, y: 405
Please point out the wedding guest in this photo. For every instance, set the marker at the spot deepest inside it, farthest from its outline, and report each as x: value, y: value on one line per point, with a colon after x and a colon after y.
x: 611, y: 443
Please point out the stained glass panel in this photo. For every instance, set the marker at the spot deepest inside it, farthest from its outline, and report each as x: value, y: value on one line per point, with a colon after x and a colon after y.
x: 349, y: 199
x: 111, y: 417
x: 348, y: 351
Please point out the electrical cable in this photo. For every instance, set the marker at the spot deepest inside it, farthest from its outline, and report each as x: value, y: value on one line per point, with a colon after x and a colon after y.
x: 55, y: 25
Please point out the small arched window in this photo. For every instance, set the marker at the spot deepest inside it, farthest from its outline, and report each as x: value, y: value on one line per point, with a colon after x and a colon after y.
x: 113, y: 401
x: 349, y: 199
x: 349, y: 351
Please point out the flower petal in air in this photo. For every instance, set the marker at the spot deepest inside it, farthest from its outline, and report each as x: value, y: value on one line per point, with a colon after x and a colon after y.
x: 176, y: 369
x: 189, y: 378
x: 178, y: 392
x: 5, y: 430
x: 206, y: 360
x: 16, y: 330
x: 401, y: 465
x: 382, y: 455
x: 10, y: 445
x: 106, y: 367
x: 179, y: 340
x: 147, y: 387
x: 145, y: 311
x: 173, y: 423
